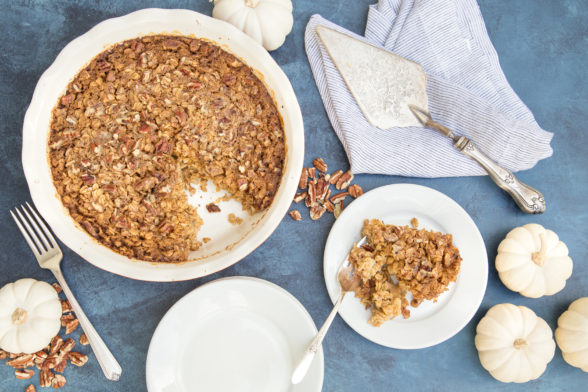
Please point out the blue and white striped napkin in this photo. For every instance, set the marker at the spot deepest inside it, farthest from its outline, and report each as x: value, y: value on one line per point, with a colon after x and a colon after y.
x: 467, y: 91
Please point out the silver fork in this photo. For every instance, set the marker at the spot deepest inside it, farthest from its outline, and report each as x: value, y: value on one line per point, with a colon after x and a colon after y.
x: 49, y: 257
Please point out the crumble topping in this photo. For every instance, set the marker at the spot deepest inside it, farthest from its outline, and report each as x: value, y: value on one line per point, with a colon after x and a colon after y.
x: 401, y: 259
x: 144, y: 120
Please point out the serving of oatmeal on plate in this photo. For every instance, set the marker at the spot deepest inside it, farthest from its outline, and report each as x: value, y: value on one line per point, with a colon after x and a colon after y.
x: 397, y: 260
x: 143, y: 121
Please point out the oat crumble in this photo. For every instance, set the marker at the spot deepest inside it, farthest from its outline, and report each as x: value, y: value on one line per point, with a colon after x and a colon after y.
x: 401, y: 259
x: 144, y: 120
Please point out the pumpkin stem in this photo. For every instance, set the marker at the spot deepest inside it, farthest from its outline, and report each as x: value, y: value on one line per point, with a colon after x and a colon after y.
x: 520, y: 343
x: 19, y: 316
x: 252, y: 3
x: 539, y: 257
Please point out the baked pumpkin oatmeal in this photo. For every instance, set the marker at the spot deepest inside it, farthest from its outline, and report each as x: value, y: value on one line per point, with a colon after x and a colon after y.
x: 146, y: 119
x: 401, y: 259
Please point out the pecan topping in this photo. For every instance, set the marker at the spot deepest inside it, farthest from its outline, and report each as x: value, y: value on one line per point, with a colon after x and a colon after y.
x: 294, y: 214
x: 168, y: 112
x: 211, y: 207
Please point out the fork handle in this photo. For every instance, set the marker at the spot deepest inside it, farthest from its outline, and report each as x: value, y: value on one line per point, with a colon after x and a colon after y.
x: 304, y: 364
x: 108, y: 363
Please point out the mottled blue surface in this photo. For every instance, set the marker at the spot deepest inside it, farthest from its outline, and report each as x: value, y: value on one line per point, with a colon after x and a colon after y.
x: 543, y: 48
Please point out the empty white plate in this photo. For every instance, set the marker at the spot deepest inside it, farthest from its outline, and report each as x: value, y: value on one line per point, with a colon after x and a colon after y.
x: 432, y: 322
x: 237, y: 334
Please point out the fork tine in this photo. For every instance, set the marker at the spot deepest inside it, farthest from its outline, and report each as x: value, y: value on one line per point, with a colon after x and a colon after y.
x: 30, y: 230
x: 43, y: 226
x: 40, y: 235
x: 25, y: 235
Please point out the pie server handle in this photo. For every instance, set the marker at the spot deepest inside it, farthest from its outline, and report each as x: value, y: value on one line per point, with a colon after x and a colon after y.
x: 529, y: 199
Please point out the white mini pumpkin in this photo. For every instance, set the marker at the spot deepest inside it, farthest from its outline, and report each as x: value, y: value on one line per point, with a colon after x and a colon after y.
x: 533, y: 261
x: 572, y: 334
x: 266, y: 21
x: 513, y: 344
x: 30, y: 316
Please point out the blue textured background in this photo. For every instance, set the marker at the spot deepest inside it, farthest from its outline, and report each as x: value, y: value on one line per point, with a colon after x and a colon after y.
x: 543, y: 48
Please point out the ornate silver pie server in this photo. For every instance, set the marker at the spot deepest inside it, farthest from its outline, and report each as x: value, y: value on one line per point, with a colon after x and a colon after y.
x: 527, y: 198
x: 391, y: 92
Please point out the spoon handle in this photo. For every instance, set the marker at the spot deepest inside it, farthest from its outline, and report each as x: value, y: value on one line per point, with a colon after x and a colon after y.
x: 306, y: 360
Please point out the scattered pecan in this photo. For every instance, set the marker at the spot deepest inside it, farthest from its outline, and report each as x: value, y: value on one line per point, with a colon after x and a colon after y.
x: 303, y: 182
x: 55, y: 344
x: 320, y: 165
x: 71, y: 326
x: 338, y: 209
x: 316, y: 212
x: 46, y: 377
x: 211, y: 207
x: 355, y: 191
x: 312, y: 172
x: 84, y: 340
x: 24, y: 374
x: 335, y: 177
x: 339, y: 197
x: 66, y: 318
x: 31, y: 388
x: 78, y: 359
x: 65, y: 306
x: 294, y: 214
x: 51, y: 361
x: 3, y: 354
x: 344, y: 180
x: 60, y: 367
x: 58, y: 381
x: 300, y: 196
x: 57, y: 287
x: 311, y: 195
x: 22, y: 361
x: 329, y: 206
x: 67, y: 346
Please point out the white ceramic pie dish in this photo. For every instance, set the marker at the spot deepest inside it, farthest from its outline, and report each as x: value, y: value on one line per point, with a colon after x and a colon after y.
x: 229, y: 243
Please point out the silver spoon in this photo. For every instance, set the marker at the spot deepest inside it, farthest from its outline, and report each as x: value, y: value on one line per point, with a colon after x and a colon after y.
x: 347, y: 282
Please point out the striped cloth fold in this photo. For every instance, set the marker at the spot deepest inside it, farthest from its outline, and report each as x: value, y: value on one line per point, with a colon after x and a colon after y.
x: 467, y: 91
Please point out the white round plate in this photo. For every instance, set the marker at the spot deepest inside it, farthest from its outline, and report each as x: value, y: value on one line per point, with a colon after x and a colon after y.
x: 432, y: 322
x: 229, y: 243
x: 233, y: 334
